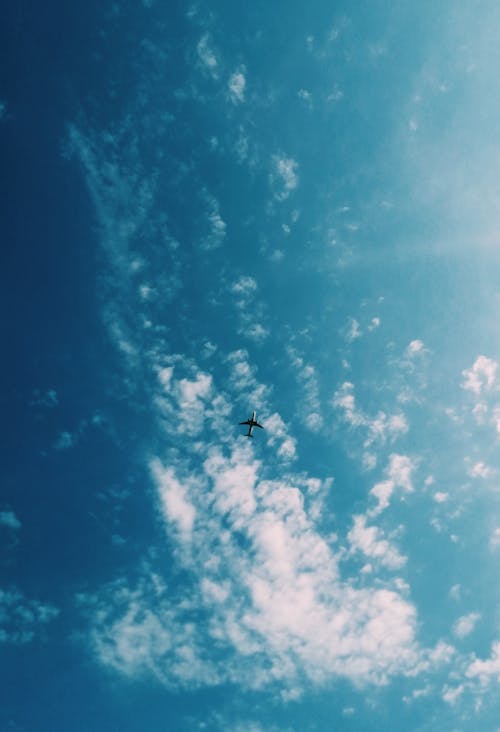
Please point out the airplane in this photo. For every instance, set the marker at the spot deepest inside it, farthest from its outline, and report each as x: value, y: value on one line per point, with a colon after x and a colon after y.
x: 252, y: 422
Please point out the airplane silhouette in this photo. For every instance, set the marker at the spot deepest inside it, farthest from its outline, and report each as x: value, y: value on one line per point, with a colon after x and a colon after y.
x: 252, y: 422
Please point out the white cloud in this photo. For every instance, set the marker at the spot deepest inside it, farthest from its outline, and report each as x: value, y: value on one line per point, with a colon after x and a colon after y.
x: 400, y: 471
x: 336, y: 95
x: 413, y: 359
x: 217, y: 226
x: 486, y: 670
x: 285, y: 169
x: 165, y: 377
x: 369, y: 540
x: 314, y: 422
x: 465, y: 625
x: 265, y: 588
x: 417, y: 694
x: 353, y: 331
x: 415, y: 347
x: 451, y: 694
x: 481, y: 470
x: 146, y: 292
x: 256, y: 332
x: 184, y: 404
x: 244, y: 286
x: 440, y: 497
x: 209, y: 349
x: 233, y: 484
x: 344, y: 399
x: 481, y: 377
x: 237, y: 84
x: 176, y: 506
x: 207, y: 55
x: 10, y: 520
x: 243, y: 380
x: 192, y: 391
x: 399, y: 475
x: 139, y: 629
x: 382, y: 492
x: 277, y: 433
x: 379, y: 429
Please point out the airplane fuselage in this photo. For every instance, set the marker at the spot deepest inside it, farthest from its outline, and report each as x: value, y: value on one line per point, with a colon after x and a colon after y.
x: 251, y: 423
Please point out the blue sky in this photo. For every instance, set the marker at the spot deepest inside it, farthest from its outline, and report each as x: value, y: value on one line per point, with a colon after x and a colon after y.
x: 209, y: 209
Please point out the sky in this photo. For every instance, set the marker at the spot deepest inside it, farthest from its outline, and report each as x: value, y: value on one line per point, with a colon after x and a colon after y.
x: 209, y: 209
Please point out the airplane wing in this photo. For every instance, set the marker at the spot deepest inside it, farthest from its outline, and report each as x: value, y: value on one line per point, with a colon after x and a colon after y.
x: 256, y: 424
x: 246, y: 422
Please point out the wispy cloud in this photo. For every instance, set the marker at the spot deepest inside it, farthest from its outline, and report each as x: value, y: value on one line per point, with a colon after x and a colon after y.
x: 10, y: 520
x: 65, y: 440
x: 237, y: 86
x: 399, y: 475
x: 250, y: 309
x: 465, y: 625
x: 309, y: 408
x: 352, y: 332
x: 379, y: 429
x: 48, y: 398
x: 216, y: 226
x: 207, y: 55
x: 244, y: 287
x: 415, y: 348
x: 481, y: 377
x: 306, y: 97
x: 244, y: 381
x: 21, y: 619
x: 284, y: 176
